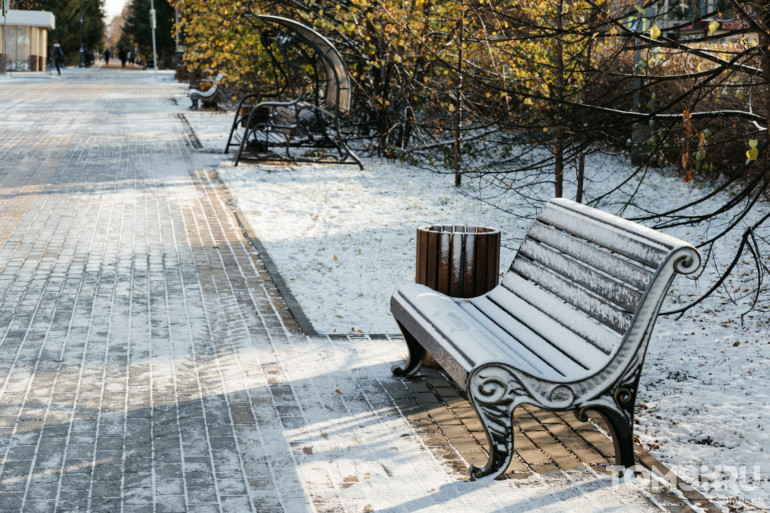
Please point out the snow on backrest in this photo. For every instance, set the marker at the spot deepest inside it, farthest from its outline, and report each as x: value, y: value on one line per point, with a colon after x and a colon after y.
x: 596, y: 263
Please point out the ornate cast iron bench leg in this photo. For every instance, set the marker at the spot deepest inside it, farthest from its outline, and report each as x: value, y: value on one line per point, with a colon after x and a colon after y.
x: 617, y: 409
x: 621, y: 431
x: 495, y: 393
x: 416, y: 356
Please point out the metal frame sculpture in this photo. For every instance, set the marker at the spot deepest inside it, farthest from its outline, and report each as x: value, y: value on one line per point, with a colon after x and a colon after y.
x: 299, y: 120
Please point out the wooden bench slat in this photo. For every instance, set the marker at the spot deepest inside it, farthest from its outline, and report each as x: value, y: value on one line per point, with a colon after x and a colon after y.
x: 577, y: 272
x: 551, y: 342
x: 551, y: 331
x: 270, y: 137
x: 606, y: 235
x: 509, y: 345
x: 520, y: 293
x: 469, y: 339
x: 602, y: 311
x: 641, y: 232
x: 610, y: 263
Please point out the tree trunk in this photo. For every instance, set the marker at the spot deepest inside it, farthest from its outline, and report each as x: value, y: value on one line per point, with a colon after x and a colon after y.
x: 459, y: 101
x: 764, y: 45
x: 559, y: 128
x: 581, y: 173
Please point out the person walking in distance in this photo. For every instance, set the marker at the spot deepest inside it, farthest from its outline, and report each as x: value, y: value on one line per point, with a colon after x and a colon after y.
x: 58, y: 56
x: 106, y: 56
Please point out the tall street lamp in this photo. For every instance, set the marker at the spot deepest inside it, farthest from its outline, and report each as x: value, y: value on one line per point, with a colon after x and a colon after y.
x: 5, y: 36
x: 154, y: 23
x: 81, y: 52
x: 181, y: 71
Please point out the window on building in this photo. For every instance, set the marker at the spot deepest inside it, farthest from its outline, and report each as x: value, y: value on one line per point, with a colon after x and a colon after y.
x: 17, y: 58
x: 722, y: 5
x: 681, y: 9
x: 689, y: 9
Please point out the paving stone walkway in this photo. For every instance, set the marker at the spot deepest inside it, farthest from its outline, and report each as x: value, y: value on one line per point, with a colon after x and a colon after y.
x: 149, y: 363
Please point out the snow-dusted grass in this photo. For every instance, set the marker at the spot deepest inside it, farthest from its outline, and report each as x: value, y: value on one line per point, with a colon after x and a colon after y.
x: 344, y: 239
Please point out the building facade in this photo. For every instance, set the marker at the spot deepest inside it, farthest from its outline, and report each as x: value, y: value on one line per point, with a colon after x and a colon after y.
x: 699, y: 14
x: 24, y: 40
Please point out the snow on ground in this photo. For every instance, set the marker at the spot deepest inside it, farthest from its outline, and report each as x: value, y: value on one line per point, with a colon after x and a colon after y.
x: 344, y: 239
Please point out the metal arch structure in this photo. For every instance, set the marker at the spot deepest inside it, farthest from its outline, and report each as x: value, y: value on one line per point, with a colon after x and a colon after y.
x: 299, y: 120
x: 338, y: 91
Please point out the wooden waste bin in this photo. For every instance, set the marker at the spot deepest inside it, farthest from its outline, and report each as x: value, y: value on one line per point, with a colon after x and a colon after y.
x: 457, y: 260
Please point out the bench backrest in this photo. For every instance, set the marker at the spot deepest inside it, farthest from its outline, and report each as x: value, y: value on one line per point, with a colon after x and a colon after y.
x: 338, y: 85
x: 604, y: 267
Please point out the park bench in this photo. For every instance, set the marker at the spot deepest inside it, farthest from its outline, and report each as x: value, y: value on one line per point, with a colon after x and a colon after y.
x: 197, y: 95
x: 566, y: 329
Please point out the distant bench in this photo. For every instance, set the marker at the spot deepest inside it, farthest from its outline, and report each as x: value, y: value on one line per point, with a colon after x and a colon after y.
x: 566, y: 329
x: 196, y: 95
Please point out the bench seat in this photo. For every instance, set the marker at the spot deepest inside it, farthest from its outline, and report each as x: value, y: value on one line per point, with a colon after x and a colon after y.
x: 566, y: 329
x: 503, y: 327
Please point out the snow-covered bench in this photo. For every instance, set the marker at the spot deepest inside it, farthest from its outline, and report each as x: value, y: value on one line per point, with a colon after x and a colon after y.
x: 566, y: 329
x: 196, y: 95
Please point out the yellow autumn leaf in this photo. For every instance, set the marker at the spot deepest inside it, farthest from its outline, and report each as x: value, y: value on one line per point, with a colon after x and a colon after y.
x: 713, y: 26
x: 335, y: 258
x: 753, y: 143
x: 655, y: 32
x: 752, y: 154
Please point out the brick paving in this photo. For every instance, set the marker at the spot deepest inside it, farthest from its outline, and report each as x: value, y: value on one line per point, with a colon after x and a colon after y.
x: 149, y: 363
